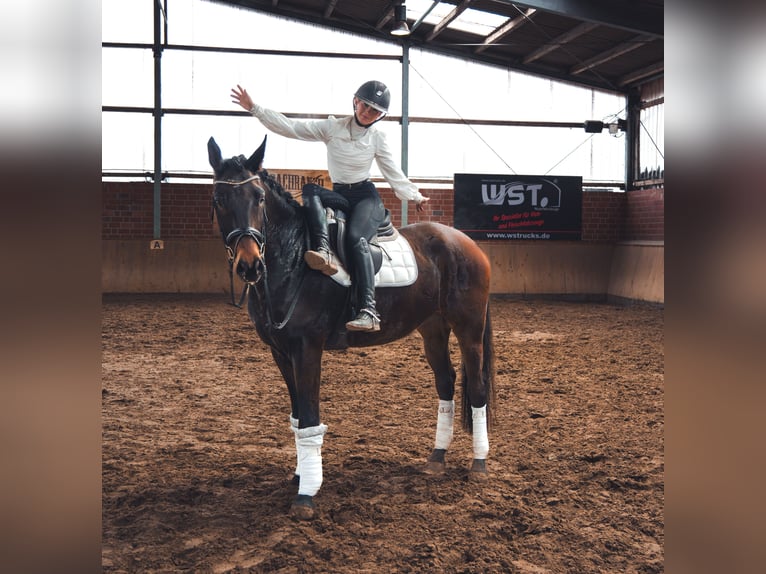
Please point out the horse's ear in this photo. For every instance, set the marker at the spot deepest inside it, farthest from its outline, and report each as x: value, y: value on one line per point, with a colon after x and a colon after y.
x: 213, y: 154
x: 255, y: 161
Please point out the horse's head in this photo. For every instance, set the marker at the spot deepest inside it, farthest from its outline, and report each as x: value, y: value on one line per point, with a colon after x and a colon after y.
x: 238, y: 203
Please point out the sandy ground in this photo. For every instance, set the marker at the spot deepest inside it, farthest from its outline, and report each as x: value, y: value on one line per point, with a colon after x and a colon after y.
x: 197, y: 450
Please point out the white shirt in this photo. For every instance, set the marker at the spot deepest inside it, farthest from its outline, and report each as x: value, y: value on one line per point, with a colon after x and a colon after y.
x: 350, y: 148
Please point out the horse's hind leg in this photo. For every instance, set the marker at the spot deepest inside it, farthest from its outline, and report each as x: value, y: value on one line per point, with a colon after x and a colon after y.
x: 436, y: 332
x: 475, y: 392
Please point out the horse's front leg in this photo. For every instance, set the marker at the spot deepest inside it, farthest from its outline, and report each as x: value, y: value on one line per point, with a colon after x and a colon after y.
x: 285, y: 366
x: 309, y: 434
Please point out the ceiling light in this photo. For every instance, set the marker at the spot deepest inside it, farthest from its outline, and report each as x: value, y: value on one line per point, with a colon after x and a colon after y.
x: 400, y: 27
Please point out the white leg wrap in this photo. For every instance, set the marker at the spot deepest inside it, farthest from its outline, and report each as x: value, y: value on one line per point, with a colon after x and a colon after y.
x: 480, y: 438
x: 444, y: 424
x: 294, y: 427
x: 309, y: 445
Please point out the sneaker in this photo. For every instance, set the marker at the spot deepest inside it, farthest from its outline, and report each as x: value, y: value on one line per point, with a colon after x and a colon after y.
x: 321, y: 261
x: 366, y: 320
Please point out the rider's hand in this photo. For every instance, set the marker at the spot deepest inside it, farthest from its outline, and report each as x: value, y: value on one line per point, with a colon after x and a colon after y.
x: 240, y: 96
x: 421, y: 205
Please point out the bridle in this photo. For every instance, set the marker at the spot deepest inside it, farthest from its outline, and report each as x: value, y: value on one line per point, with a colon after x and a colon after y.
x: 231, y: 241
x: 237, y: 235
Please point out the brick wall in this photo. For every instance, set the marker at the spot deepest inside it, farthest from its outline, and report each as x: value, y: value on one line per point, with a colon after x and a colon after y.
x: 126, y: 211
x: 645, y: 215
x: 185, y: 212
x: 440, y: 206
x: 603, y: 215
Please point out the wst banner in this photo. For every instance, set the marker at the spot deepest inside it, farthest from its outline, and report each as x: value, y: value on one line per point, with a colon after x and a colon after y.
x: 518, y: 206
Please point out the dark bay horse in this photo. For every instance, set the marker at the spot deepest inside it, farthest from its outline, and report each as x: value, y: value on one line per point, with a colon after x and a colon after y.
x: 295, y: 310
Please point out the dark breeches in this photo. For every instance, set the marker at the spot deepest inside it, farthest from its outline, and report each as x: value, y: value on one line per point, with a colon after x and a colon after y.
x: 329, y: 198
x: 361, y: 203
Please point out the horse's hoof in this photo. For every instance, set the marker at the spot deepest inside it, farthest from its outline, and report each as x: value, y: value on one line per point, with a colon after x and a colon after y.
x: 303, y: 508
x: 434, y: 467
x: 435, y: 463
x: 479, y: 470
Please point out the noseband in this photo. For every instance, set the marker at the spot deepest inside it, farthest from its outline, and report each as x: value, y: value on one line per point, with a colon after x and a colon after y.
x: 238, y: 235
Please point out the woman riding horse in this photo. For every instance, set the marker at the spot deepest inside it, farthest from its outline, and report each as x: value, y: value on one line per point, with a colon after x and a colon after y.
x: 266, y: 231
x: 352, y: 144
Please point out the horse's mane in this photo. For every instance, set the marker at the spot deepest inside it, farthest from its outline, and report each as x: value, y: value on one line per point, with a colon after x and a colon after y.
x: 281, y: 192
x: 238, y: 163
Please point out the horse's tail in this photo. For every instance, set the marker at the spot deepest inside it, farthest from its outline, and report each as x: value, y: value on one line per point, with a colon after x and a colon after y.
x: 487, y: 375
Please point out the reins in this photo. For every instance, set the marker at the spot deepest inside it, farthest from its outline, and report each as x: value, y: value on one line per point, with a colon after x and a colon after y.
x: 293, y: 303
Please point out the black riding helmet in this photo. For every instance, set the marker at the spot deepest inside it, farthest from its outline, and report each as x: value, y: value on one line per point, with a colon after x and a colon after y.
x: 375, y: 94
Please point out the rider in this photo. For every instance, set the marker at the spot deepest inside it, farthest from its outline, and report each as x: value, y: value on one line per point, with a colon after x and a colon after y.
x: 352, y: 143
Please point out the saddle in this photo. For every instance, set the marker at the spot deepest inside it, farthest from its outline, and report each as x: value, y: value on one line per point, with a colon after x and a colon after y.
x: 336, y: 224
x: 392, y: 256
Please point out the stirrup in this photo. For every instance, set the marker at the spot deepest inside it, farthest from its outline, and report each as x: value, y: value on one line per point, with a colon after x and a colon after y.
x: 321, y: 260
x: 366, y: 320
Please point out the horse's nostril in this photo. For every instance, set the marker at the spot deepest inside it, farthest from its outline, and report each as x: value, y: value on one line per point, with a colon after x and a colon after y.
x: 249, y: 272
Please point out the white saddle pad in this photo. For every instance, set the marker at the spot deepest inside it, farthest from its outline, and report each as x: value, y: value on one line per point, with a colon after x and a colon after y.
x: 398, y: 269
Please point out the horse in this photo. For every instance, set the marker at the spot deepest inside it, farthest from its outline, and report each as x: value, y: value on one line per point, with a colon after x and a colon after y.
x: 296, y: 311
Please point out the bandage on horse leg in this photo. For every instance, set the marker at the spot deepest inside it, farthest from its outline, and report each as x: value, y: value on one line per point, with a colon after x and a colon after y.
x: 444, y: 430
x: 297, y: 474
x: 309, y: 446
x: 480, y: 440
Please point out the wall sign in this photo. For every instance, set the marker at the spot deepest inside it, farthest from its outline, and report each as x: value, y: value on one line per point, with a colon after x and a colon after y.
x: 518, y: 206
x: 293, y: 180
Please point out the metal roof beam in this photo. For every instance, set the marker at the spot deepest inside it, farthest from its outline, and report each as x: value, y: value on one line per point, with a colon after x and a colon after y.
x: 560, y: 41
x: 505, y: 29
x: 618, y: 50
x: 385, y: 17
x: 423, y: 16
x: 330, y: 7
x: 651, y: 70
x: 448, y: 19
x: 640, y: 18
